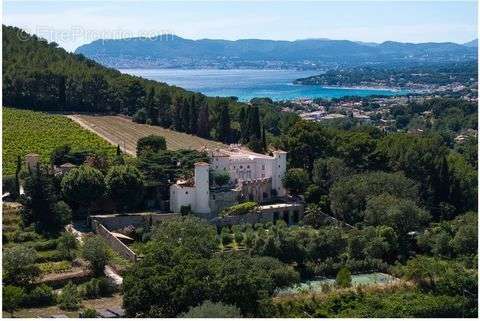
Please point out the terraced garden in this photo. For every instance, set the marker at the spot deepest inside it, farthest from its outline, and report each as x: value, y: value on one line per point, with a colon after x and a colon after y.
x: 119, y: 130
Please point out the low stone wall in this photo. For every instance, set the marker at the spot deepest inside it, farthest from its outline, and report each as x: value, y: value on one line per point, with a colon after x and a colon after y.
x: 114, y: 242
x: 118, y: 221
x: 290, y: 213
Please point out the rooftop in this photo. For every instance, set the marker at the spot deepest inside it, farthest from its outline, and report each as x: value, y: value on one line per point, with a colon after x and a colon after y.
x: 238, y: 152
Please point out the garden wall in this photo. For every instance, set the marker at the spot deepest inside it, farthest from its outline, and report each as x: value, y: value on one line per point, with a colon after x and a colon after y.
x: 118, y: 221
x: 114, y: 242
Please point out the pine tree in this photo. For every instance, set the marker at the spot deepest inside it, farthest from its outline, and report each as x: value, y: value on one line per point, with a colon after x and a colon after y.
x: 223, y: 129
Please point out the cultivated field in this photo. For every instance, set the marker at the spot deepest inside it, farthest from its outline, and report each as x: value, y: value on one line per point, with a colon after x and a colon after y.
x: 26, y: 131
x: 119, y: 130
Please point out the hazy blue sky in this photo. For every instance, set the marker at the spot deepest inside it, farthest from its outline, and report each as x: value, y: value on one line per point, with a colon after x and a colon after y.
x: 72, y: 23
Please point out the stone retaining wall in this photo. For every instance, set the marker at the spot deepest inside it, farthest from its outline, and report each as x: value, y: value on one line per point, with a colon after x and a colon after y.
x: 114, y: 242
x: 118, y: 221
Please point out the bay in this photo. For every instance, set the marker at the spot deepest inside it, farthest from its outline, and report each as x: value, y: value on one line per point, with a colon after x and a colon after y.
x: 247, y: 84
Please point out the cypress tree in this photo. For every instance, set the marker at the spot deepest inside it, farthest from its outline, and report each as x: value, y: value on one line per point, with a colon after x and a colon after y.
x: 264, y: 139
x: 242, y: 118
x: 203, y: 121
x: 253, y: 123
x: 178, y: 112
x: 185, y: 114
x: 150, y: 106
x: 223, y: 130
x: 163, y: 109
x: 193, y: 116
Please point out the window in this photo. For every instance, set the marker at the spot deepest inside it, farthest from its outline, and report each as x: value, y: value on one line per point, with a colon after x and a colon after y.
x: 248, y: 166
x: 241, y: 166
x: 186, y: 193
x: 263, y: 167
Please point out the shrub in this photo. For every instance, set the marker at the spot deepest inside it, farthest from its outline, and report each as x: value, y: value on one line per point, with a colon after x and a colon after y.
x: 344, y: 278
x: 151, y: 143
x: 226, y: 236
x: 221, y: 178
x: 41, y: 295
x: 88, y: 313
x: 18, y: 265
x: 67, y: 244
x: 185, y: 210
x: 212, y: 310
x: 11, y: 298
x: 95, y: 252
x: 238, y: 237
x: 69, y: 299
x: 96, y: 288
x: 239, y: 209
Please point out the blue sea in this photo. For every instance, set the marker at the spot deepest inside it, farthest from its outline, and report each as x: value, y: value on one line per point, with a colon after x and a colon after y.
x: 247, y: 84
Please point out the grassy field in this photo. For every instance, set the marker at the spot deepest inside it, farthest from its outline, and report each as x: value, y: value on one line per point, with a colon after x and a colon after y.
x: 122, y: 131
x: 36, y: 132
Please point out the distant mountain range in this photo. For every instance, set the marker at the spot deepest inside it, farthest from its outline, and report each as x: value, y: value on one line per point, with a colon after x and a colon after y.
x: 176, y: 52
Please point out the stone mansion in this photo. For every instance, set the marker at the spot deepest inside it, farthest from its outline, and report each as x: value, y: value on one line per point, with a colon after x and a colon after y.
x: 253, y: 176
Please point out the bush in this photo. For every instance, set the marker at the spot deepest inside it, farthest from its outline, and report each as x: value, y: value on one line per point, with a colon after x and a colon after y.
x: 40, y: 296
x: 221, y: 178
x: 18, y: 265
x: 239, y: 209
x: 69, y: 299
x: 238, y: 237
x: 151, y: 143
x: 11, y: 298
x: 185, y: 210
x: 88, y: 313
x: 67, y: 244
x: 226, y: 236
x: 96, y: 288
x: 95, y: 252
x: 212, y: 310
x: 344, y: 278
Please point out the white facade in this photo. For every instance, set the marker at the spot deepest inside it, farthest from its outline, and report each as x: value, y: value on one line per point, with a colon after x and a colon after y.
x: 242, y: 166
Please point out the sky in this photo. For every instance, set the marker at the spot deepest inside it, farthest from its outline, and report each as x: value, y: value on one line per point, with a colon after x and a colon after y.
x: 73, y: 23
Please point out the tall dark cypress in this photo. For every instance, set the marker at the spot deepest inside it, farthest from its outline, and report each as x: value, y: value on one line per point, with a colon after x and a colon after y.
x: 242, y: 119
x: 264, y: 139
x: 224, y: 129
x: 253, y: 123
x: 186, y: 116
x: 193, y: 115
x: 204, y: 121
x: 150, y: 106
x: 177, y: 115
